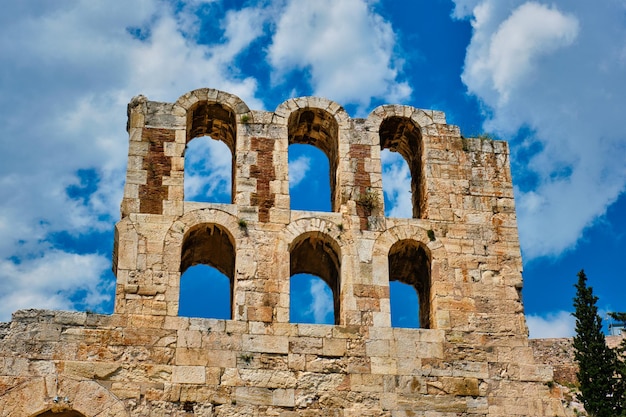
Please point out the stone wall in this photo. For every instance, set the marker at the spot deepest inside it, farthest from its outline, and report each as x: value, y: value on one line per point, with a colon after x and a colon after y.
x: 460, y: 251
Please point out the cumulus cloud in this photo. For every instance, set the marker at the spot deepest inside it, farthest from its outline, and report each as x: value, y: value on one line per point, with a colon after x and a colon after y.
x: 396, y: 184
x: 322, y: 305
x: 532, y: 30
x: 552, y: 325
x: 208, y: 170
x: 556, y: 72
x: 347, y: 62
x: 169, y: 63
x: 298, y: 169
x: 51, y: 281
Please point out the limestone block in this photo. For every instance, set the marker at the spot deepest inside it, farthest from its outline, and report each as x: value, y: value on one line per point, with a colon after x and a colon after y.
x: 124, y: 390
x: 268, y: 378
x: 283, y: 398
x: 263, y: 343
x: 383, y: 365
x: 366, y: 383
x: 538, y: 373
x: 191, y: 356
x: 310, y: 345
x: 333, y: 347
x: 254, y: 396
x: 188, y: 374
x: 377, y: 348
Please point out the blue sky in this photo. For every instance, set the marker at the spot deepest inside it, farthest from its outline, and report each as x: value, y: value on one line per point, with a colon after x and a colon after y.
x: 548, y: 77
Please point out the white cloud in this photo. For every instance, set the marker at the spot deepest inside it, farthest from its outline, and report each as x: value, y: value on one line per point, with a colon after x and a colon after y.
x: 552, y: 325
x: 348, y: 61
x: 557, y: 71
x: 397, y: 184
x: 169, y: 63
x: 208, y: 169
x: 298, y: 169
x: 50, y: 281
x: 322, y: 305
x: 532, y: 30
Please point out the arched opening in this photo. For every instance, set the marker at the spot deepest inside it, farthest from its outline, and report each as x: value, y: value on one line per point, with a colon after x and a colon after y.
x: 51, y: 413
x: 402, y: 135
x: 208, y: 171
x: 213, y: 163
x: 309, y: 182
x: 213, y: 246
x: 317, y: 254
x: 409, y: 263
x: 319, y: 128
x: 311, y: 299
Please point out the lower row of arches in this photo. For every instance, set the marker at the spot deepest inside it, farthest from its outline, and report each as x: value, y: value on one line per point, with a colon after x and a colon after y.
x: 208, y: 270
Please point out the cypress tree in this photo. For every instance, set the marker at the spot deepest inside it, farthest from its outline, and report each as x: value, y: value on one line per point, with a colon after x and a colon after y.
x: 620, y: 390
x: 597, y: 363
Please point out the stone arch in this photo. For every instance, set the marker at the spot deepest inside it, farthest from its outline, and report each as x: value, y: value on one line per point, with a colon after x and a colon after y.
x: 314, y: 248
x: 70, y: 413
x: 409, y: 262
x: 318, y: 122
x: 392, y: 253
x: 71, y: 397
x: 208, y: 236
x: 212, y: 113
x: 401, y: 129
x: 189, y: 99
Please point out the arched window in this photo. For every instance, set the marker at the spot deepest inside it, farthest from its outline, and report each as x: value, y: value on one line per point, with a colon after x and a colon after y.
x: 409, y: 263
x: 402, y: 135
x: 209, y: 168
x: 211, y: 246
x: 61, y: 414
x: 317, y: 254
x: 317, y: 127
x: 309, y: 183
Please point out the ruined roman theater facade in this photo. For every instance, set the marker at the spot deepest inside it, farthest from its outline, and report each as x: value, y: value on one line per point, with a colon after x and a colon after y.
x: 460, y: 251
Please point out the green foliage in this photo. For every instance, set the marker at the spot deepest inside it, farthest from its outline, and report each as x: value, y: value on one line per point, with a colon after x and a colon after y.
x: 621, y: 365
x: 485, y: 136
x: 598, y: 373
x: 369, y: 200
x: 246, y: 357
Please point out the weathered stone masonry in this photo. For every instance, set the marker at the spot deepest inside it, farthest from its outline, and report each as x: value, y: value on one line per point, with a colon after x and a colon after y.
x: 460, y: 250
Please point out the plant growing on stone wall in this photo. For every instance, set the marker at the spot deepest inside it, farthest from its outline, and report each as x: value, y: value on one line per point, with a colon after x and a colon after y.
x: 369, y: 201
x: 246, y: 357
x: 431, y: 234
x: 464, y: 144
x: 485, y: 136
x: 245, y: 118
x: 243, y: 226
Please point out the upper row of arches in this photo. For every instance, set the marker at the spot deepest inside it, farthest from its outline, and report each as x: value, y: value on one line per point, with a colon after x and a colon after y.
x: 317, y: 122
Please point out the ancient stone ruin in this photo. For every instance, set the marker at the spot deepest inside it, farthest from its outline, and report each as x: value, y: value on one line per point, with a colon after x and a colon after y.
x: 471, y: 356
